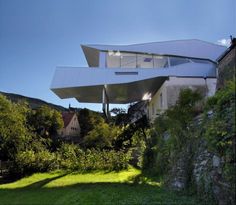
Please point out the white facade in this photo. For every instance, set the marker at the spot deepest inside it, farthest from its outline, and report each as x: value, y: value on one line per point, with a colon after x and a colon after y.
x: 168, y: 94
x: 125, y: 74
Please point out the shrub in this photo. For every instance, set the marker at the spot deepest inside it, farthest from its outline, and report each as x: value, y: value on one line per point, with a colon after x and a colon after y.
x: 29, y: 161
x: 71, y: 157
x: 102, y: 136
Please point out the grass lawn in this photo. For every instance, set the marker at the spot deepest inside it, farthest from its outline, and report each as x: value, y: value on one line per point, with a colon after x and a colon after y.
x: 90, y: 188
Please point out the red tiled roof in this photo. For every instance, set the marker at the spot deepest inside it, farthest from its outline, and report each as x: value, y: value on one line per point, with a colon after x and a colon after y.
x: 67, y: 117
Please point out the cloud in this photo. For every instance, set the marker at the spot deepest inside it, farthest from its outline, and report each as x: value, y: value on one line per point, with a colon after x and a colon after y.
x: 224, y: 42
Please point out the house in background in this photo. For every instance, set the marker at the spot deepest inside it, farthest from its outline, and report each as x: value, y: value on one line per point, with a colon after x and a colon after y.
x: 156, y: 72
x: 71, y: 129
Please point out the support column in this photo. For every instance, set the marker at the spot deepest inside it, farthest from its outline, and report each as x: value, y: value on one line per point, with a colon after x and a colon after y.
x: 105, y: 103
x: 104, y: 100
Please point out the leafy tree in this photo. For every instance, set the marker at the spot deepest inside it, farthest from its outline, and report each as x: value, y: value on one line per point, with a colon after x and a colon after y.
x: 120, y: 117
x: 102, y: 136
x: 15, y: 134
x: 88, y: 119
x: 46, y: 121
x: 178, y: 117
x: 124, y: 140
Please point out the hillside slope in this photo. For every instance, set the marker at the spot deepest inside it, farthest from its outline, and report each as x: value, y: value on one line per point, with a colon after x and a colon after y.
x: 33, y: 102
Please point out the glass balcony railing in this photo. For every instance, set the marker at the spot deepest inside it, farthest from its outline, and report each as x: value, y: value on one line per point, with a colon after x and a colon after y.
x: 137, y: 60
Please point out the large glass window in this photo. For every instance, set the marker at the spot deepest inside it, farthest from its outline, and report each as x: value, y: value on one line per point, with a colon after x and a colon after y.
x: 177, y: 61
x: 128, y: 60
x: 117, y: 59
x: 144, y: 61
x: 160, y: 61
x: 113, y: 59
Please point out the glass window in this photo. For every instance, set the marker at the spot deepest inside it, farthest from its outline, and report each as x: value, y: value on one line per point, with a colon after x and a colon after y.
x: 153, y: 110
x: 128, y: 60
x: 144, y: 61
x: 113, y: 59
x: 177, y: 61
x: 160, y: 61
x: 161, y: 101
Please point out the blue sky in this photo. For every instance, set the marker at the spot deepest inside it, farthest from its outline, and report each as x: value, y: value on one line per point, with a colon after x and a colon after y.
x: 38, y: 35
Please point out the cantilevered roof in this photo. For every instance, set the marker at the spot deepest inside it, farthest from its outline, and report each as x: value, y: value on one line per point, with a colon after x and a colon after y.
x: 122, y: 85
x: 188, y: 48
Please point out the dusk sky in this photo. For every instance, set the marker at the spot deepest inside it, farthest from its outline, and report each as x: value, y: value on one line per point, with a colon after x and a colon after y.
x: 38, y: 35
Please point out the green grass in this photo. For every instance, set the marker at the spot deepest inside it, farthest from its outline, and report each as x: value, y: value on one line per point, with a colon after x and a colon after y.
x: 56, y: 188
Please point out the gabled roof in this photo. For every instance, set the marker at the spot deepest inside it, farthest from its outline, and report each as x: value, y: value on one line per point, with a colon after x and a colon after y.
x: 188, y: 48
x: 67, y: 117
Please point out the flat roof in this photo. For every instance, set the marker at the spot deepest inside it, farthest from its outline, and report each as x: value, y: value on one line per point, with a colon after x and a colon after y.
x: 192, y: 48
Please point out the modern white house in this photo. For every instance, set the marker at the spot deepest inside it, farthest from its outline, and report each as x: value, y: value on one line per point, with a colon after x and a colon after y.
x: 121, y: 74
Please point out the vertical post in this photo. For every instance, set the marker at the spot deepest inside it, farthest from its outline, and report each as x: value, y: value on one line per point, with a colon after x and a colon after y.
x: 104, y: 101
x: 108, y: 113
x: 102, y: 60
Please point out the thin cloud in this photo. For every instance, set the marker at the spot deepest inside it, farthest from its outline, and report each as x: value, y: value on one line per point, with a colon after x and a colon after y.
x: 224, y: 42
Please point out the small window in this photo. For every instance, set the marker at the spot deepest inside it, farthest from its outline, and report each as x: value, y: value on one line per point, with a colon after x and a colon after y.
x: 161, y: 101
x: 153, y: 110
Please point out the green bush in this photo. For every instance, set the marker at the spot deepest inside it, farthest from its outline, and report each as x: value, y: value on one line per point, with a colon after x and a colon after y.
x: 29, y: 161
x: 101, y: 136
x: 71, y: 157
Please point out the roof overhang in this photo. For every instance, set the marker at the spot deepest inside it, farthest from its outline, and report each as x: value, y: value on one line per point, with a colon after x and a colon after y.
x: 191, y: 48
x: 122, y: 85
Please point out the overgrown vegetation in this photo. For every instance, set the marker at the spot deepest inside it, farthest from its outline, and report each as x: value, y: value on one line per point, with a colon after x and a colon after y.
x: 171, y: 132
x: 70, y: 157
x: 28, y: 138
x: 176, y: 134
x: 219, y: 128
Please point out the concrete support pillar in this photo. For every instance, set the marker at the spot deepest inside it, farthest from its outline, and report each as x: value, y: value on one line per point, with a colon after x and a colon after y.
x: 105, y: 103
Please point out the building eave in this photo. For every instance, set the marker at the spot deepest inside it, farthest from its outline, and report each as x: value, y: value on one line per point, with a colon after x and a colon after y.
x: 191, y: 48
x: 122, y: 85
